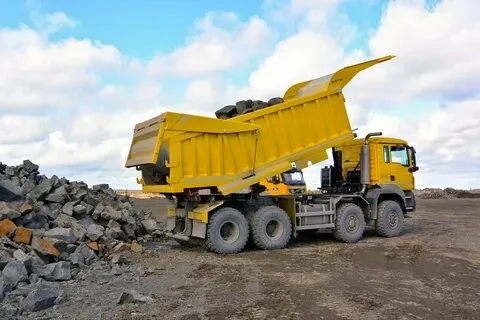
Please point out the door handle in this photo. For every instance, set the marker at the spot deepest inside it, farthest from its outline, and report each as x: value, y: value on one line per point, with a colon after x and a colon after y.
x: 392, y: 178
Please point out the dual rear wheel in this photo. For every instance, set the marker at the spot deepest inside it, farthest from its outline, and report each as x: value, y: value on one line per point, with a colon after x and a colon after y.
x: 229, y: 230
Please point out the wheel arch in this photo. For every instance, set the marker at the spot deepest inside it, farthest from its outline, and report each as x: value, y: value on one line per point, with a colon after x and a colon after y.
x: 382, y: 193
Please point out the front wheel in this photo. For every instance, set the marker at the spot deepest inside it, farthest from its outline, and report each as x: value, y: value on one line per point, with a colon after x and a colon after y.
x: 227, y: 231
x: 350, y: 223
x: 389, y: 219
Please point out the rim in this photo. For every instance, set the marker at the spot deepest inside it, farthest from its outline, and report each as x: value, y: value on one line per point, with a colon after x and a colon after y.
x: 392, y: 220
x: 352, y: 224
x: 229, y: 232
x: 274, y: 229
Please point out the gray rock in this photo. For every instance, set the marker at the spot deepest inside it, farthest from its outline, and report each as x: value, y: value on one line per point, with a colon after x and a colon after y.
x: 47, y: 211
x: 79, y: 211
x: 15, y: 272
x: 274, y: 101
x: 64, y: 234
x: 33, y: 220
x: 132, y: 296
x: 98, y: 210
x: 8, y: 311
x: 11, y: 171
x: 91, y: 199
x: 103, y: 186
x: 150, y: 225
x: 90, y: 209
x: 5, y: 287
x: 111, y: 193
x: 5, y: 257
x: 59, y: 195
x: 95, y: 232
x: 30, y: 166
x: 68, y: 208
x: 86, y: 222
x: 9, y: 191
x: 111, y: 214
x: 29, y: 259
x: 83, y: 255
x: 16, y: 181
x: 114, y: 230
x: 42, y: 190
x: 28, y: 186
x: 33, y: 278
x: 43, y: 297
x: 129, y: 230
x: 7, y: 212
x: 64, y: 221
x: 58, y: 271
x: 80, y: 194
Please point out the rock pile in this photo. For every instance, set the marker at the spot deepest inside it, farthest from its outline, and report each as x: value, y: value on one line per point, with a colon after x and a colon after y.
x: 245, y: 106
x: 50, y: 227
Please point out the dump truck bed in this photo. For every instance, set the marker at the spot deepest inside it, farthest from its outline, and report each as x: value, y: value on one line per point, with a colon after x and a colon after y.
x: 177, y: 151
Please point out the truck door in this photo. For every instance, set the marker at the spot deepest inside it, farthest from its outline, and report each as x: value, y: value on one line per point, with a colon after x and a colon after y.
x: 399, y: 165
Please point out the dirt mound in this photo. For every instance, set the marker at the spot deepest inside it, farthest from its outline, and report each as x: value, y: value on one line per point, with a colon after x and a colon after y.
x: 447, y: 193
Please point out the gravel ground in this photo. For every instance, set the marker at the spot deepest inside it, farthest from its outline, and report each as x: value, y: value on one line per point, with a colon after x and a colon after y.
x: 430, y: 272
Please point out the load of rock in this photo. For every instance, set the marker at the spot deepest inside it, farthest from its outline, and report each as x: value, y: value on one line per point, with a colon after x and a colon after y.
x: 245, y: 106
x: 52, y: 227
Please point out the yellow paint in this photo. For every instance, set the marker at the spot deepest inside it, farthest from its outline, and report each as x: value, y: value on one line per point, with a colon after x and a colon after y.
x: 236, y: 153
x: 200, y: 212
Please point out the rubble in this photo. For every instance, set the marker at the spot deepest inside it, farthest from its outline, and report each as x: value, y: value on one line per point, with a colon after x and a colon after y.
x: 51, y: 228
x: 245, y: 106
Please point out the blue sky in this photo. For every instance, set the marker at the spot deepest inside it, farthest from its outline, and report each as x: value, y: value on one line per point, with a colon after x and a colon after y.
x: 80, y: 74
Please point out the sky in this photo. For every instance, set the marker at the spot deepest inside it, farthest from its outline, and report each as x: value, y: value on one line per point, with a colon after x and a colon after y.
x: 77, y: 76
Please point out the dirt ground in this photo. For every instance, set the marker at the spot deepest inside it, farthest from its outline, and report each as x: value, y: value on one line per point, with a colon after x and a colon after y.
x: 430, y: 272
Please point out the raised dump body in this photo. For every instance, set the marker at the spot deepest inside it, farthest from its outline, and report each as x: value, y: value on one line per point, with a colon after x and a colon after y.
x: 176, y: 151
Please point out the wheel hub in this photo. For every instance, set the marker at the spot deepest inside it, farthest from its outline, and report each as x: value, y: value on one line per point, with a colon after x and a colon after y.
x: 274, y: 229
x: 352, y: 223
x: 392, y: 220
x: 229, y: 232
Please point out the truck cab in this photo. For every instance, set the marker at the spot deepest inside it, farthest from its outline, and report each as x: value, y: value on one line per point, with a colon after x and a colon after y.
x: 290, y: 182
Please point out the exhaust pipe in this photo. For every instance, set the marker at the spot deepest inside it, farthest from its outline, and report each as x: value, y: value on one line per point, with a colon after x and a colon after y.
x: 365, y: 162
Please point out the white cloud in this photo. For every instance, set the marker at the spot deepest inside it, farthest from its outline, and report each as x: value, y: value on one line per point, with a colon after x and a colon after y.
x: 22, y: 128
x: 39, y: 73
x: 221, y: 41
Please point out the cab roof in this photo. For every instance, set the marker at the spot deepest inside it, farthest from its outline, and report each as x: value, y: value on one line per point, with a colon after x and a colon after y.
x: 374, y: 140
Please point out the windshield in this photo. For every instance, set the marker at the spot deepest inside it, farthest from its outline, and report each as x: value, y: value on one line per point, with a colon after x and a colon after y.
x: 293, y: 178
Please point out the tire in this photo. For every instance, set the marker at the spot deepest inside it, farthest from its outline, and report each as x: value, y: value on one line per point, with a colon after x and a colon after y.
x: 349, y: 213
x: 390, y: 220
x: 227, y: 231
x: 271, y: 228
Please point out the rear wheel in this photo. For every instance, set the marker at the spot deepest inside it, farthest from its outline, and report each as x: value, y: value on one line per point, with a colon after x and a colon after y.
x: 350, y: 223
x: 390, y: 219
x: 227, y: 231
x: 271, y: 228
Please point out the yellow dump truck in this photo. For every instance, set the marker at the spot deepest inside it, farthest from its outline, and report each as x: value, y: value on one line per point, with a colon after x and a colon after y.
x: 211, y: 170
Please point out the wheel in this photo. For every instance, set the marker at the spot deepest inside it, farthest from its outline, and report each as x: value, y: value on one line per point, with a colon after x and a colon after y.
x: 350, y: 223
x: 390, y: 219
x: 227, y: 231
x: 271, y: 228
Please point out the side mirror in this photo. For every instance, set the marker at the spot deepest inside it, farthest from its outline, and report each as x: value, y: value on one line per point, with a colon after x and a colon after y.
x: 413, y: 169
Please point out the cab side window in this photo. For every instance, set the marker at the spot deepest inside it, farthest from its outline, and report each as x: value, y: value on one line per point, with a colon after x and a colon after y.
x: 399, y: 155
x: 386, y: 154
